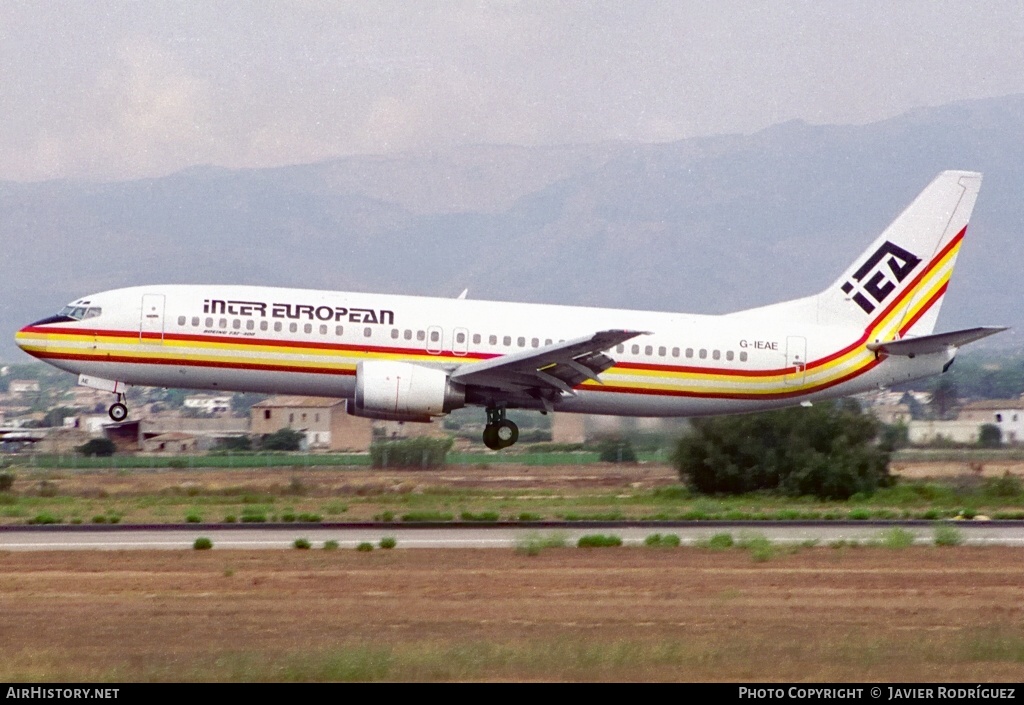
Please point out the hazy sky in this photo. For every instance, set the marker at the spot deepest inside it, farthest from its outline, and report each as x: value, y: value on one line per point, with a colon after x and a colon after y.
x: 114, y: 90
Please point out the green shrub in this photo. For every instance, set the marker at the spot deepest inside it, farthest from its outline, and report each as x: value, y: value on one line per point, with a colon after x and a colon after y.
x: 897, y: 537
x: 616, y: 450
x: 948, y: 536
x: 411, y: 453
x: 384, y: 516
x: 98, y: 447
x: 532, y: 543
x: 330, y: 545
x: 288, y: 517
x: 193, y: 518
x: 662, y: 541
x: 364, y: 547
x: 760, y: 548
x: 720, y: 542
x: 599, y: 541
x: 230, y: 519
x: 202, y: 544
x: 529, y: 516
x: 424, y: 516
x: 99, y: 519
x: 44, y: 518
x: 252, y: 516
x: 6, y: 481
x: 388, y: 542
x: 310, y: 518
x: 302, y: 544
x: 286, y: 439
x: 1003, y: 487
x: 860, y: 514
x: 482, y: 516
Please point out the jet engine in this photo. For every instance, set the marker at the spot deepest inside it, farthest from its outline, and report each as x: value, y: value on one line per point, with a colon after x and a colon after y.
x: 400, y: 391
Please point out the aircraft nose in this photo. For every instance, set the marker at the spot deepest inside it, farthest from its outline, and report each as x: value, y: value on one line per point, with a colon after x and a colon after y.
x: 30, y: 340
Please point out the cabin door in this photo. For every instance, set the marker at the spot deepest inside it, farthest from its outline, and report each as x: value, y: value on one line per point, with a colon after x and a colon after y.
x: 796, y: 359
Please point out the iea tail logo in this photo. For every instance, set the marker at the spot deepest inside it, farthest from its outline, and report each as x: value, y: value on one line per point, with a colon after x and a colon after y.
x: 876, y: 280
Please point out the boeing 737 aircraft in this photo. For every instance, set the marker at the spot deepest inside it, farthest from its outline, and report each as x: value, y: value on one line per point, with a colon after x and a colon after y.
x: 412, y: 358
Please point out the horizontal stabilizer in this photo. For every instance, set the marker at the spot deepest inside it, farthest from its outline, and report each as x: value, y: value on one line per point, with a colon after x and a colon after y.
x: 926, y: 344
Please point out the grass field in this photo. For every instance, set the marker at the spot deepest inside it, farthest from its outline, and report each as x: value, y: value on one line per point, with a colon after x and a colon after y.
x: 600, y: 492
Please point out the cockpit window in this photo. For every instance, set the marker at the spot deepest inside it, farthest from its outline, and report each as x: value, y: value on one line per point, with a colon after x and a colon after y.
x: 80, y: 313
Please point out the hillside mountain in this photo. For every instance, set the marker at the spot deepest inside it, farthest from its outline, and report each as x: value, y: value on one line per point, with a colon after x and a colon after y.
x: 705, y: 225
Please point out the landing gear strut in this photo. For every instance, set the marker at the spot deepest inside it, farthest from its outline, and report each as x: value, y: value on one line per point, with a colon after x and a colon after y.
x: 499, y: 432
x: 118, y: 411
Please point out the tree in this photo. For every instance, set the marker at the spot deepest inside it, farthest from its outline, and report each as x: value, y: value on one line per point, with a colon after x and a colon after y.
x: 828, y: 451
x: 285, y: 439
x: 100, y: 447
x: 234, y: 443
x: 616, y: 450
x: 990, y: 436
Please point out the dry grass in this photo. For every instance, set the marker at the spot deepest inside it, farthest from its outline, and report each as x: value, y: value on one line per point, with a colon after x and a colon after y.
x: 921, y: 613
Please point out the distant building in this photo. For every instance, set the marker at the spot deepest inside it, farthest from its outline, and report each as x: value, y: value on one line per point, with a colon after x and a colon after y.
x: 19, y: 387
x: 208, y: 404
x: 171, y: 443
x: 324, y: 421
x: 1007, y: 414
x: 925, y: 432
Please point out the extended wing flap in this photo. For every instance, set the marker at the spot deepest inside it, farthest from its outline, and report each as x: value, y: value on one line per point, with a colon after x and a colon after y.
x: 926, y: 344
x: 559, y: 367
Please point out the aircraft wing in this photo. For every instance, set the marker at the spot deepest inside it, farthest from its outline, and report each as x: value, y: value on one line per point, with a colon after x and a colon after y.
x: 934, y: 343
x: 552, y: 368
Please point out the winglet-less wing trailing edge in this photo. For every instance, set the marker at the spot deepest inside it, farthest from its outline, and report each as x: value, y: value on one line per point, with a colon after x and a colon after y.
x: 553, y: 368
x: 925, y: 344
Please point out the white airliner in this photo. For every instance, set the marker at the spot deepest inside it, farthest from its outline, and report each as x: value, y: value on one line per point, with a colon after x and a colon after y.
x: 414, y: 358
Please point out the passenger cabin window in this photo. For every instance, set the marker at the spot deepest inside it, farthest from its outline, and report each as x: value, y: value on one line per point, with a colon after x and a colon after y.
x: 250, y: 325
x: 675, y: 352
x: 521, y: 341
x: 209, y: 323
x: 703, y: 354
x: 421, y: 335
x: 743, y: 356
x: 434, y: 336
x: 181, y: 320
x: 236, y: 323
x: 507, y: 340
x: 195, y: 321
x: 394, y: 334
x: 649, y: 350
x: 476, y: 339
x: 407, y: 334
x: 367, y: 332
x: 308, y: 328
x: 717, y: 354
x: 635, y: 349
x: 460, y: 338
x: 293, y: 327
x: 277, y: 326
x: 323, y: 330
x: 493, y: 340
x: 535, y: 343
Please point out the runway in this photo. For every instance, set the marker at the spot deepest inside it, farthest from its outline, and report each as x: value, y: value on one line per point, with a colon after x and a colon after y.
x: 246, y: 537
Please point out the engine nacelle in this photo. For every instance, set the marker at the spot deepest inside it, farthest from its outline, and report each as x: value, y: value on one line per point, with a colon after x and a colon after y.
x: 400, y: 391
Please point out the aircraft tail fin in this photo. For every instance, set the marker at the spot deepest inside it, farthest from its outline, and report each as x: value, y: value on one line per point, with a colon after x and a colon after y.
x: 897, y: 285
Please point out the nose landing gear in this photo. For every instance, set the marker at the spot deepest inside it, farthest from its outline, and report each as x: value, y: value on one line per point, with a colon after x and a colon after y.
x: 499, y: 432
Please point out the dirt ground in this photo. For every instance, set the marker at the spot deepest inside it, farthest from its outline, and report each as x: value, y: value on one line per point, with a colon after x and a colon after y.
x: 637, y: 614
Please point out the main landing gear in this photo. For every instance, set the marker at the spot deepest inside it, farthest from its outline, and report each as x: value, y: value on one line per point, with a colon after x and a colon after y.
x: 118, y: 411
x: 499, y: 432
